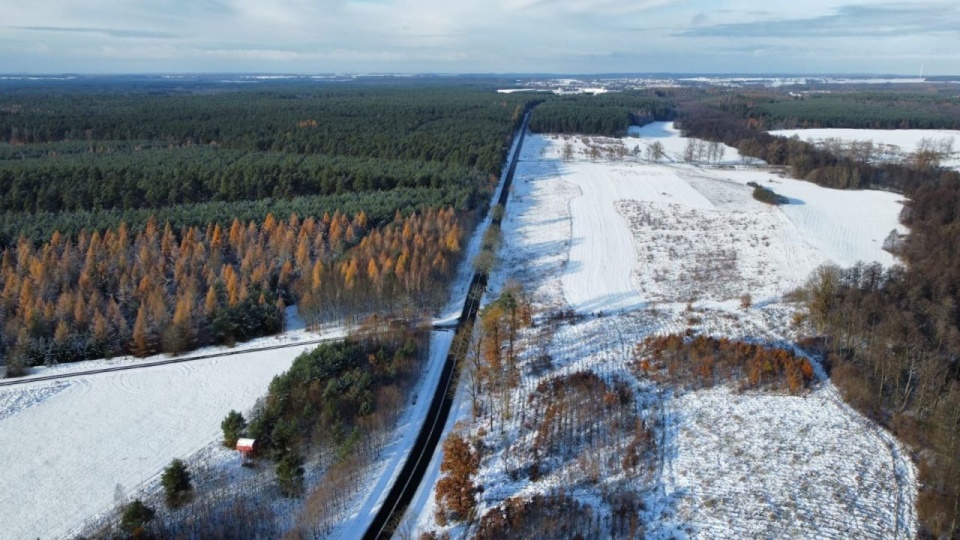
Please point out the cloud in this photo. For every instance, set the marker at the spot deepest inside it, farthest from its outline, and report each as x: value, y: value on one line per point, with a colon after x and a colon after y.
x: 110, y: 32
x: 580, y: 36
x: 846, y: 21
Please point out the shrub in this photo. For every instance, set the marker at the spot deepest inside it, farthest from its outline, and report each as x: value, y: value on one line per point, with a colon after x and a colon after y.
x: 766, y: 195
x: 135, y: 516
x: 15, y: 366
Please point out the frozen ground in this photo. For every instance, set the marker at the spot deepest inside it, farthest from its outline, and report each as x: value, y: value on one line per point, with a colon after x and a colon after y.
x: 890, y: 144
x: 770, y: 466
x: 659, y: 248
x: 697, y: 232
x: 70, y: 447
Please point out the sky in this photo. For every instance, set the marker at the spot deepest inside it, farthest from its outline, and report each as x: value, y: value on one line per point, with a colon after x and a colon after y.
x: 474, y: 36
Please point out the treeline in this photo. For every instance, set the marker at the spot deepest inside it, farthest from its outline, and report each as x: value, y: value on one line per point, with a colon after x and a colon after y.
x: 863, y: 110
x: 604, y: 114
x: 893, y: 345
x: 166, y: 291
x: 379, y: 206
x: 93, y: 157
x: 702, y: 362
x: 804, y: 160
x: 157, y: 178
x: 321, y: 399
x: 459, y: 126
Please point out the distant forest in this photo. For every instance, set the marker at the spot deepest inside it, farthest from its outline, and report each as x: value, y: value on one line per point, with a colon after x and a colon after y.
x: 73, y: 158
x: 846, y: 109
x: 605, y: 114
x: 139, y: 220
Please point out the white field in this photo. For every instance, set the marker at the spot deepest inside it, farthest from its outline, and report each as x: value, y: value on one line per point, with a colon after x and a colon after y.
x: 895, y: 144
x: 79, y: 442
x: 631, y: 240
x: 74, y: 442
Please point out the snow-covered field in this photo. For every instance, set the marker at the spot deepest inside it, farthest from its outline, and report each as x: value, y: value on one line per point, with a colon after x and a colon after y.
x: 698, y: 233
x: 890, y: 144
x: 71, y: 446
x: 80, y: 442
x: 659, y: 248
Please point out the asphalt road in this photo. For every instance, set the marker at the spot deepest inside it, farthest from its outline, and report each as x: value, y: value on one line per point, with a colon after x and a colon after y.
x: 411, y: 474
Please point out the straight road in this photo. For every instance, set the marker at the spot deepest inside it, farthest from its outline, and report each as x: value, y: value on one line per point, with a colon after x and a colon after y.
x: 411, y: 475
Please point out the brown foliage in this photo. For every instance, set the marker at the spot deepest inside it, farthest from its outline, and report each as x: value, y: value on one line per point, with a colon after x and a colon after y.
x: 456, y: 491
x: 553, y: 516
x: 156, y: 291
x: 703, y: 361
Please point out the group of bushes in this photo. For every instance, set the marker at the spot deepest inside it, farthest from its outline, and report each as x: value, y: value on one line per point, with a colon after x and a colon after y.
x: 702, y: 362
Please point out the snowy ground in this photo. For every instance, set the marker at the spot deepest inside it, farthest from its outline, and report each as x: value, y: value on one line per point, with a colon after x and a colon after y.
x: 890, y: 144
x: 71, y: 446
x: 659, y: 248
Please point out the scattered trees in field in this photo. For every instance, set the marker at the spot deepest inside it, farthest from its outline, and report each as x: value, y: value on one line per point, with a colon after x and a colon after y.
x: 655, y: 152
x: 930, y: 152
x: 496, y: 368
x: 580, y: 416
x: 700, y: 151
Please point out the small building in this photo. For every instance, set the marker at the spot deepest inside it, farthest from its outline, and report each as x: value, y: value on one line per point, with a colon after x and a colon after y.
x: 247, y: 449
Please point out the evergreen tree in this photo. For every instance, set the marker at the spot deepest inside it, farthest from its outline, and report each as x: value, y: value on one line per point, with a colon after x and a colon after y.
x: 233, y: 426
x: 135, y: 517
x: 290, y: 474
x: 176, y: 484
